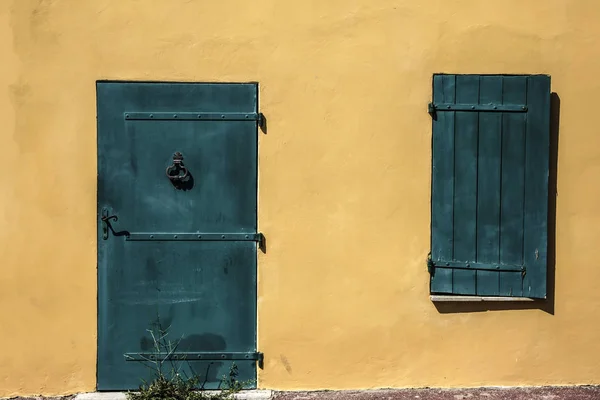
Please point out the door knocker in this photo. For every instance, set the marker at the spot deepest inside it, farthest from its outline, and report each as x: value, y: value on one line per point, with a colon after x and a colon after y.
x: 177, y: 172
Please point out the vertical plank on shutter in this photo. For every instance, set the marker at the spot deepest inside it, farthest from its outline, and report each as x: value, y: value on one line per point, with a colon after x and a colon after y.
x: 442, y: 190
x: 537, y: 149
x: 512, y: 190
x: 488, y: 185
x: 465, y: 183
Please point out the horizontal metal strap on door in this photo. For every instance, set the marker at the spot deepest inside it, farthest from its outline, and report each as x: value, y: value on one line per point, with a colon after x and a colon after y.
x: 476, y: 266
x: 214, y: 237
x: 438, y: 107
x: 191, y: 116
x: 193, y: 356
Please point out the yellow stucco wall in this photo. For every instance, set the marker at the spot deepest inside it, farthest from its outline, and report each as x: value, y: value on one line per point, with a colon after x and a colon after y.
x: 344, y: 181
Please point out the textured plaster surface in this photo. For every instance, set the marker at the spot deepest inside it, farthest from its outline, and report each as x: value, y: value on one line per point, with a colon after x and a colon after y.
x: 344, y: 182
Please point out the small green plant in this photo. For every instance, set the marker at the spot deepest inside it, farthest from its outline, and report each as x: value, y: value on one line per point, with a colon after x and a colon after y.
x: 171, y: 383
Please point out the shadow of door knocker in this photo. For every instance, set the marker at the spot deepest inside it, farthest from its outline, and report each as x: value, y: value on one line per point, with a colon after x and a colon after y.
x: 177, y: 172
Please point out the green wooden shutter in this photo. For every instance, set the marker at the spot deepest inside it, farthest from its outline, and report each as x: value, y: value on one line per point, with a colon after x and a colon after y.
x: 489, y: 205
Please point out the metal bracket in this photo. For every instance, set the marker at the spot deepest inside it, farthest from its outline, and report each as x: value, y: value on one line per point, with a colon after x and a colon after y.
x: 432, y: 108
x: 195, y: 356
x: 213, y: 237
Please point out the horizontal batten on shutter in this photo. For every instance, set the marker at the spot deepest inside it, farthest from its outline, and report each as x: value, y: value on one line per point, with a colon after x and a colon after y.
x: 437, y: 107
x: 477, y: 266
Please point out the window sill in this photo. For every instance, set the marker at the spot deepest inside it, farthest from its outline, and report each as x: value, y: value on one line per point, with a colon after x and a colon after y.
x: 451, y: 298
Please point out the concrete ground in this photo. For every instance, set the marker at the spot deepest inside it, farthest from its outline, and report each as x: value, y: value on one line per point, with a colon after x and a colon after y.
x: 545, y: 393
x: 542, y: 393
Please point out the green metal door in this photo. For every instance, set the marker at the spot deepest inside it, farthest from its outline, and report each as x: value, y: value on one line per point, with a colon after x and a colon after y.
x: 177, y: 238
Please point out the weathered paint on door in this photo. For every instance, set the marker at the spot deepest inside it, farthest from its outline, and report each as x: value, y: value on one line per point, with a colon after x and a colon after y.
x: 202, y: 291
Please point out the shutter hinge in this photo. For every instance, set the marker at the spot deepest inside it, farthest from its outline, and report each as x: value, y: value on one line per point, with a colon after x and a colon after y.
x: 262, y: 122
x: 430, y: 265
x: 431, y: 109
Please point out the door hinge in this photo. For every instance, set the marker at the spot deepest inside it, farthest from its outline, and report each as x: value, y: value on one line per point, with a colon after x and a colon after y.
x: 191, y: 116
x: 195, y: 237
x: 194, y: 356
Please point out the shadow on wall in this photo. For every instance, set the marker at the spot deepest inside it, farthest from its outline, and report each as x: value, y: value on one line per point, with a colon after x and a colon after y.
x: 548, y: 304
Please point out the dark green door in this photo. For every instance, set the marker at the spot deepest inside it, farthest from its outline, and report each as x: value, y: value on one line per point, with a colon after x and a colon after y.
x: 177, y: 239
